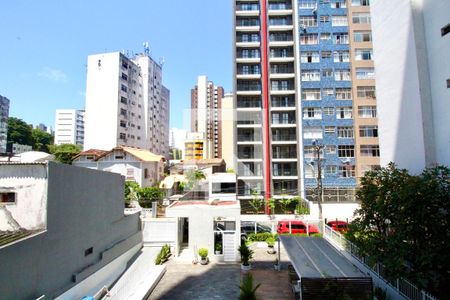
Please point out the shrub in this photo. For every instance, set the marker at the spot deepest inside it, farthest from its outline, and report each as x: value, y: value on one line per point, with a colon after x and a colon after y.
x: 163, y: 255
x: 270, y: 242
x: 246, y: 254
x: 203, y: 252
x: 260, y: 237
x: 247, y: 290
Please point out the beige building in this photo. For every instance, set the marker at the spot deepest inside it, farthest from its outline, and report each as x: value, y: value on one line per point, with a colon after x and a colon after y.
x: 228, y: 116
x: 367, y: 151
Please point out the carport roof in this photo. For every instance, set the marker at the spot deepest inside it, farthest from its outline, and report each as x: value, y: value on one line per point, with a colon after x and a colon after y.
x: 314, y: 257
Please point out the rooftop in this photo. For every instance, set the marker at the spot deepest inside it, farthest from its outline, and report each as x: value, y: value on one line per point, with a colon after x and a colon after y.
x: 7, y: 237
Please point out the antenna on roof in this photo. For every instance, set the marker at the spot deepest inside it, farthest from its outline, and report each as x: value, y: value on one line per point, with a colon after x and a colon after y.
x: 146, y: 48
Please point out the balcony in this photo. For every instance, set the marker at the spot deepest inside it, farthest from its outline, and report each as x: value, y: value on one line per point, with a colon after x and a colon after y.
x: 280, y: 9
x: 247, y: 10
x: 285, y: 169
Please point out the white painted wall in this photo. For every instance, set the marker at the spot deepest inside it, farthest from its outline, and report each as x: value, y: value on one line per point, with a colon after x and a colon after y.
x: 201, y: 222
x: 228, y: 115
x: 30, y: 209
x: 436, y: 16
x: 69, y: 126
x: 102, y: 90
x: 401, y: 134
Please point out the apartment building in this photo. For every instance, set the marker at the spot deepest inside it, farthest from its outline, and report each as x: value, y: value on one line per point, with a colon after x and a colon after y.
x: 228, y: 119
x: 304, y: 90
x: 206, y: 104
x: 197, y: 146
x: 69, y: 126
x: 4, y: 114
x: 126, y: 103
x: 266, y: 98
x: 412, y: 55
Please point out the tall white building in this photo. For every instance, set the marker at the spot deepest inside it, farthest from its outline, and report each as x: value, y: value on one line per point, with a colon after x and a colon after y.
x: 69, y: 126
x: 126, y: 103
x: 411, y: 41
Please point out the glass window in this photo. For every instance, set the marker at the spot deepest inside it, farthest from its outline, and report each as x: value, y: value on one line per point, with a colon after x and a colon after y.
x: 361, y: 18
x: 345, y: 132
x: 312, y: 133
x: 343, y: 94
x: 365, y: 73
x: 362, y: 36
x: 370, y: 150
x: 346, y: 151
x: 363, y: 54
x: 310, y: 94
x: 368, y: 131
x: 339, y: 21
x: 367, y: 111
x: 366, y: 92
x: 344, y: 113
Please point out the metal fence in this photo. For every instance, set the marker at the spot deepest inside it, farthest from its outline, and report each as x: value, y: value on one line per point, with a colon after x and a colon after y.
x: 402, y: 286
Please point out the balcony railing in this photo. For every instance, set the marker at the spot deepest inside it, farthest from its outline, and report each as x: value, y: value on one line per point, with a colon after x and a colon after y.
x: 279, y: 6
x: 284, y: 137
x: 249, y: 87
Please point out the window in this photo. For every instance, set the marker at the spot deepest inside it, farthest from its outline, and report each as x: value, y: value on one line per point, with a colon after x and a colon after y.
x: 325, y: 36
x: 341, y: 56
x: 309, y: 39
x: 312, y: 113
x: 338, y: 4
x: 363, y: 54
x: 123, y: 112
x: 362, y: 36
x: 368, y: 131
x: 122, y: 136
x: 342, y: 75
x: 340, y: 38
x: 123, y: 100
x: 307, y: 21
x: 310, y: 57
x: 146, y: 173
x: 327, y: 73
x: 361, y: 18
x: 324, y: 19
x: 339, y: 21
x: 343, y: 113
x: 306, y: 4
x: 343, y: 94
x: 123, y: 88
x: 88, y: 251
x: 366, y: 168
x: 370, y: 150
x: 7, y: 197
x: 445, y: 30
x: 310, y: 75
x: 328, y: 111
x: 347, y: 171
x: 330, y: 129
x: 366, y: 92
x: 367, y: 111
x: 123, y: 124
x: 360, y: 2
x: 328, y: 92
x: 365, y: 73
x: 330, y: 170
x: 326, y: 54
x: 346, y: 151
x: 345, y: 132
x: 448, y: 83
x: 312, y: 133
x: 329, y: 149
x: 124, y: 76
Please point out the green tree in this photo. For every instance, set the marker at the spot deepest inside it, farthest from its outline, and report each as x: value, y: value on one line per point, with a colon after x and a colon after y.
x: 65, y: 153
x: 192, y: 179
x: 41, y: 140
x: 19, y: 132
x: 130, y: 191
x: 256, y: 201
x: 403, y: 223
x: 149, y: 194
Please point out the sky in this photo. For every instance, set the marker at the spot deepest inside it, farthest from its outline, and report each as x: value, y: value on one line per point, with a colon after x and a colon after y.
x: 44, y: 46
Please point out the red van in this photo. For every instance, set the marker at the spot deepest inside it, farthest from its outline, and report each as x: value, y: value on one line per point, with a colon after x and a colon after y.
x: 340, y: 226
x: 296, y: 226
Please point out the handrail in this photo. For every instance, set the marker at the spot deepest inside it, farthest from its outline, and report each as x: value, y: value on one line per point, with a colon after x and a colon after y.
x: 402, y: 286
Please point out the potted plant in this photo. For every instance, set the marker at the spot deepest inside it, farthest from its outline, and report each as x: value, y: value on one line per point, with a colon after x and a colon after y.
x: 246, y: 255
x: 271, y: 245
x: 203, y: 253
x: 218, y: 249
x: 247, y: 290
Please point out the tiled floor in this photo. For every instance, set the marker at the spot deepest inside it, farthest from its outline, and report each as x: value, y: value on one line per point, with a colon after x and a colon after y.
x: 184, y: 280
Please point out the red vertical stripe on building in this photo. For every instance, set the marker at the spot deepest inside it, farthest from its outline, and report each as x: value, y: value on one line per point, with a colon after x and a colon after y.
x: 265, y: 94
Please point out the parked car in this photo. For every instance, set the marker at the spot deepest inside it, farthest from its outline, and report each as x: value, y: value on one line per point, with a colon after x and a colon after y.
x: 249, y: 227
x: 340, y: 226
x: 296, y: 226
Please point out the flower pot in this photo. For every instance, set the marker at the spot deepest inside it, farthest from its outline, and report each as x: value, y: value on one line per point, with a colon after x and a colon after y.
x: 271, y: 250
x: 217, y: 252
x: 246, y: 268
x: 204, y: 261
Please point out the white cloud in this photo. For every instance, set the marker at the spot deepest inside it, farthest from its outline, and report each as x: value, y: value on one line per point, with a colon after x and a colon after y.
x: 53, y: 74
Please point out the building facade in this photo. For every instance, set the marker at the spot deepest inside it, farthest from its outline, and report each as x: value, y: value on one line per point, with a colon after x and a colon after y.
x: 69, y: 127
x: 4, y: 114
x: 304, y: 93
x: 228, y: 121
x: 206, y: 104
x: 413, y: 81
x: 197, y: 146
x: 126, y: 103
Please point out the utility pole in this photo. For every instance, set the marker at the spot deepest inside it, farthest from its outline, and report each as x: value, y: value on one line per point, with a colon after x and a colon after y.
x: 317, y: 149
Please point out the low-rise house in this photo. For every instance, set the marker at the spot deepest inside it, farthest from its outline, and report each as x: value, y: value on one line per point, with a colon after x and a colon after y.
x: 134, y: 164
x: 63, y: 231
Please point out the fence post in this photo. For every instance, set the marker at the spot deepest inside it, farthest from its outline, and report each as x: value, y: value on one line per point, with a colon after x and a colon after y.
x: 290, y: 227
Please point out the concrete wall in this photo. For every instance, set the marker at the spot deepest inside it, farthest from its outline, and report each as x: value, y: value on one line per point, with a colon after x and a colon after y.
x: 30, y: 186
x: 84, y: 210
x: 413, y: 110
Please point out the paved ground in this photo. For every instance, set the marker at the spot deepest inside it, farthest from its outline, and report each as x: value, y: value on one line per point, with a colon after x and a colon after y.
x: 184, y: 280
